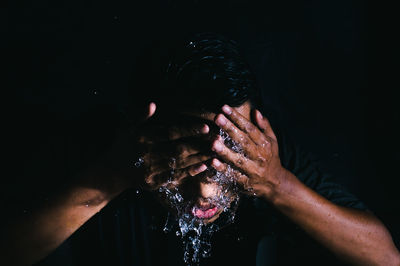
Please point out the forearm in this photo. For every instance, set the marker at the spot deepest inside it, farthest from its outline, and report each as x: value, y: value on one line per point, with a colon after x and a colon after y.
x: 353, y: 235
x: 37, y: 234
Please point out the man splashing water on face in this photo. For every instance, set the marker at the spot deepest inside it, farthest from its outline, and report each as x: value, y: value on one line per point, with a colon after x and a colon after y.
x: 201, y: 189
x: 235, y: 190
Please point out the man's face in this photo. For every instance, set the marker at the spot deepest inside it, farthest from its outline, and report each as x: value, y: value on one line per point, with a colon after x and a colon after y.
x: 205, y: 199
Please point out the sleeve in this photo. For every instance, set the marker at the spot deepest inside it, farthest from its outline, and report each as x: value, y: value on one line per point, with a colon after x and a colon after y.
x: 301, y: 164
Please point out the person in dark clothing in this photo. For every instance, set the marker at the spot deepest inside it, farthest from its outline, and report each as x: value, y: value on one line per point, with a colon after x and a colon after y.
x: 209, y: 164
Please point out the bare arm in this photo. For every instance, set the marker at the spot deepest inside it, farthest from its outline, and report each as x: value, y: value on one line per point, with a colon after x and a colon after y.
x: 35, y: 235
x: 356, y: 236
x: 353, y: 235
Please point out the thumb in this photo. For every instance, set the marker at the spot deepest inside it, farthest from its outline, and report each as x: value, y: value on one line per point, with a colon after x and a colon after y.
x: 260, y: 121
x: 146, y: 112
x: 264, y: 125
x: 151, y: 109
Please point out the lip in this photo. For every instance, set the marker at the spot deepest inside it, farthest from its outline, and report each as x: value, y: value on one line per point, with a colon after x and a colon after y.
x: 205, y: 213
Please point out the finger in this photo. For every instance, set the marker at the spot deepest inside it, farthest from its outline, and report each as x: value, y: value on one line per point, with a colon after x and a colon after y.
x: 222, y: 167
x: 148, y: 111
x: 193, y: 170
x: 235, y: 133
x: 152, y: 110
x: 243, y: 124
x: 263, y: 123
x: 196, y: 169
x: 231, y: 157
x: 192, y: 160
x: 218, y: 165
x: 179, y: 132
x: 175, y: 177
x: 179, y: 157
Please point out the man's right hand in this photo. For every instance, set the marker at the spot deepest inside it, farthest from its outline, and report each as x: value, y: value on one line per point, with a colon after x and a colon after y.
x: 152, y: 154
x: 172, y: 153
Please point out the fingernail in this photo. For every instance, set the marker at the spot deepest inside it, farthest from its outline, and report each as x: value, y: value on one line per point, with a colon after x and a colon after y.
x: 205, y: 129
x: 259, y: 115
x: 201, y: 168
x: 217, y: 147
x: 227, y: 110
x: 216, y: 163
x: 221, y: 121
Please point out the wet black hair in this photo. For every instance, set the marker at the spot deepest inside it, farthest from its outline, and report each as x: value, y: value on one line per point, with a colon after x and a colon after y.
x: 203, y: 71
x: 208, y: 71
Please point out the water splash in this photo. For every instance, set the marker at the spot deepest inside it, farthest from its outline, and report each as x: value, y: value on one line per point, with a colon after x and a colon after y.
x: 194, y: 232
x: 230, y: 143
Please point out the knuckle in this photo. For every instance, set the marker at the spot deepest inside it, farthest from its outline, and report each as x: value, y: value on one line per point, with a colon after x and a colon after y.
x: 265, y: 143
x: 245, y: 141
x: 224, y: 152
x: 261, y: 159
x: 239, y: 161
x: 204, y: 157
x: 250, y: 127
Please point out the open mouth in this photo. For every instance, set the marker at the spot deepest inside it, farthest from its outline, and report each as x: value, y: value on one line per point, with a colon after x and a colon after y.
x: 205, y: 212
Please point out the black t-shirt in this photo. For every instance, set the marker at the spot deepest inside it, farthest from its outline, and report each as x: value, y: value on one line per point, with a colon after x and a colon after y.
x: 129, y: 230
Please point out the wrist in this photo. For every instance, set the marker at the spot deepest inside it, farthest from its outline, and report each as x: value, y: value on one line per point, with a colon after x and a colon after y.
x: 279, y: 192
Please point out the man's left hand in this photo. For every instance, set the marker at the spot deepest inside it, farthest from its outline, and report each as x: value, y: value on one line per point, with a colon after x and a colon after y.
x: 259, y: 162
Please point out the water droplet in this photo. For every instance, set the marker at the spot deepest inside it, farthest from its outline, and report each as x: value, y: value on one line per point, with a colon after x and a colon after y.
x: 172, y: 163
x: 139, y: 162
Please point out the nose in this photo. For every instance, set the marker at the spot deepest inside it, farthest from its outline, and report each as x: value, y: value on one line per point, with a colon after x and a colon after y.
x: 208, y: 190
x: 199, y: 191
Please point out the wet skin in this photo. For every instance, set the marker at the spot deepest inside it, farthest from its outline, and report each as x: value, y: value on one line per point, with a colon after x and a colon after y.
x: 260, y: 172
x: 339, y: 229
x: 192, y: 163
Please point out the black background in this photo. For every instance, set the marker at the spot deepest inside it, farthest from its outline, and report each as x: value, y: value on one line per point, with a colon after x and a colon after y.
x: 326, y: 68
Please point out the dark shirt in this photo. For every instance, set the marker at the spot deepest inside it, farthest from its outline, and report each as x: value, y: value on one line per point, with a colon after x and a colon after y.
x: 129, y: 230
